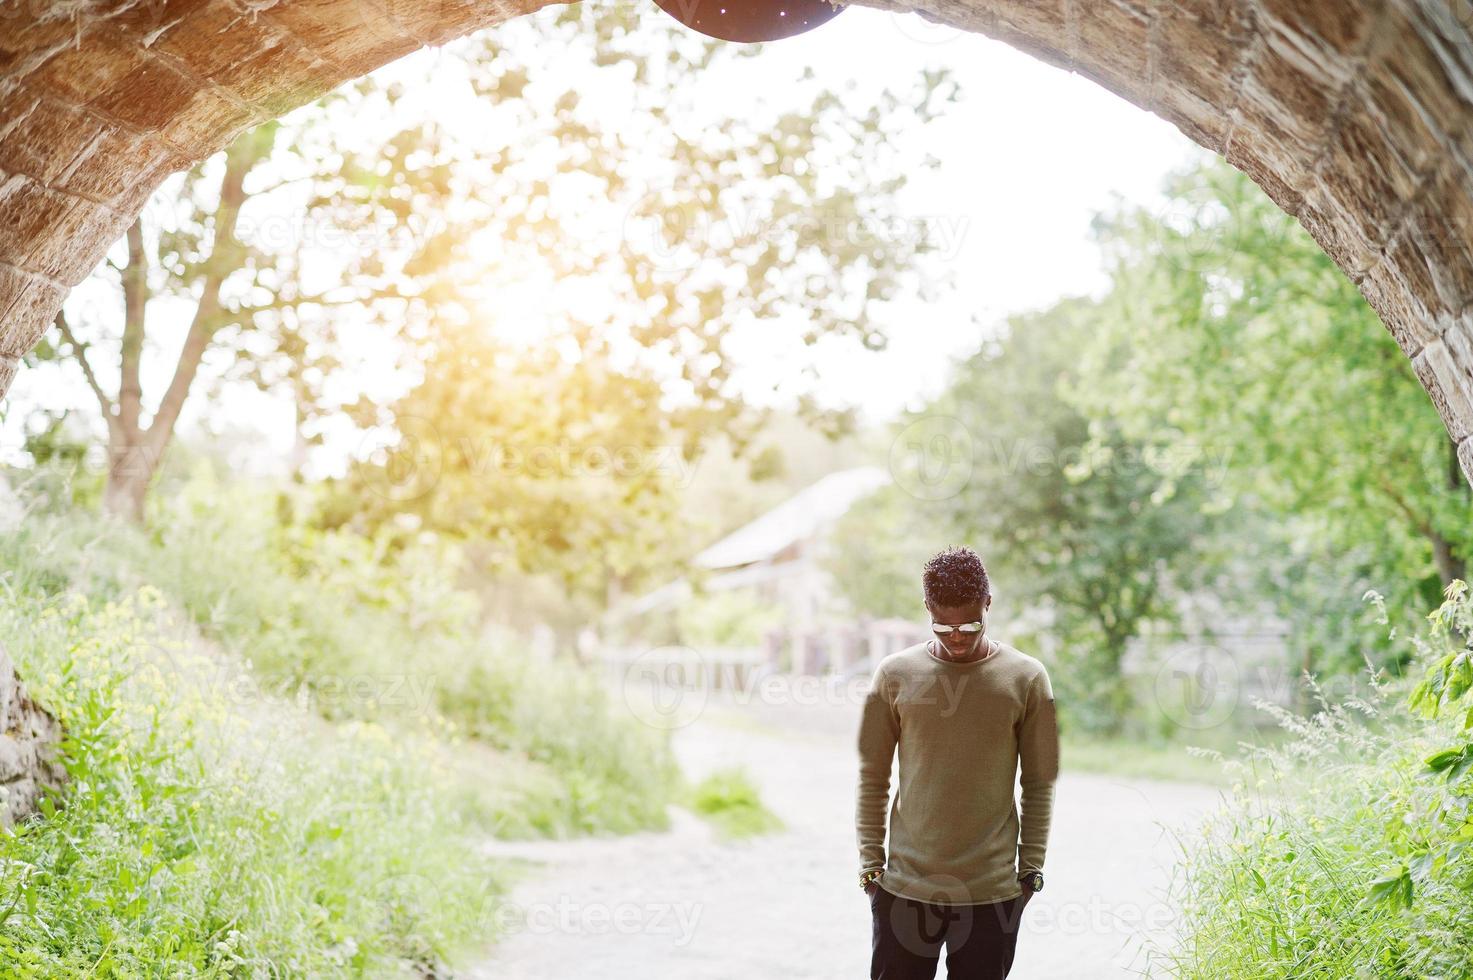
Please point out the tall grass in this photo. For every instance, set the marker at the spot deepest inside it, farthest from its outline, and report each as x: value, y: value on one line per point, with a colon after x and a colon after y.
x: 285, y: 745
x: 369, y: 628
x: 206, y: 831
x: 1290, y: 879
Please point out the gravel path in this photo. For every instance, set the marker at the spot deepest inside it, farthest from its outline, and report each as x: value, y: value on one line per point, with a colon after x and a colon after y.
x: 680, y: 905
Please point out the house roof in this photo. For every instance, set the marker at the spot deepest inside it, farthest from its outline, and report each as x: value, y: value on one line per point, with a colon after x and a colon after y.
x: 796, y: 519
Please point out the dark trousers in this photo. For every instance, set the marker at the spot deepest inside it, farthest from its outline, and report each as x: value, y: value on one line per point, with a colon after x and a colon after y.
x: 908, y: 936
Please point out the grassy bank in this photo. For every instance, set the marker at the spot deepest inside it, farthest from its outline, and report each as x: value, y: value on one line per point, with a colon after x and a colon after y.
x: 1343, y: 853
x: 284, y: 745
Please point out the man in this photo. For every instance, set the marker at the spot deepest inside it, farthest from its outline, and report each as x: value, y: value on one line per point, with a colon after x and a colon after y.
x: 967, y: 712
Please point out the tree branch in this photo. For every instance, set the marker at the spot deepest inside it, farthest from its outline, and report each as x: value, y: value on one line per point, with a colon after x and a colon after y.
x: 103, y: 402
x: 225, y: 255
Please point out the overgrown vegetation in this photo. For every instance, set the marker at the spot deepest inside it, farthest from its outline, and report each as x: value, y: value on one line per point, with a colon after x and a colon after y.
x: 1344, y: 851
x: 284, y: 745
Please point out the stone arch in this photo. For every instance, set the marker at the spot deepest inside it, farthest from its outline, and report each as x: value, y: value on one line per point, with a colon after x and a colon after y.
x: 1353, y: 115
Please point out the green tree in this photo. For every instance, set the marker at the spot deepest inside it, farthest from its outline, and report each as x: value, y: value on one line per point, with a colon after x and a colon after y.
x: 409, y: 225
x: 649, y: 245
x: 1240, y: 338
x: 1074, y: 517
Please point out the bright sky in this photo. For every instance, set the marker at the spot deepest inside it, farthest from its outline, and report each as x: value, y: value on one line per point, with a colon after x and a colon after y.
x: 1028, y: 156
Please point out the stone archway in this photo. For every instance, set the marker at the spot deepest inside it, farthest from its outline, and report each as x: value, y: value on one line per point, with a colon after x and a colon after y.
x: 1353, y: 115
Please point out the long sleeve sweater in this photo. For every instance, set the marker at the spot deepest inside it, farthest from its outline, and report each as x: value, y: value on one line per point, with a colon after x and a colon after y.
x: 965, y: 733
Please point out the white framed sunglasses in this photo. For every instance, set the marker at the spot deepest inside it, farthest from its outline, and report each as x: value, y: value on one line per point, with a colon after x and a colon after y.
x: 966, y: 629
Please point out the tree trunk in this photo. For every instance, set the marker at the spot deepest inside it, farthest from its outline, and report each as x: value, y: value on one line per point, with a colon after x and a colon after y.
x: 130, y: 471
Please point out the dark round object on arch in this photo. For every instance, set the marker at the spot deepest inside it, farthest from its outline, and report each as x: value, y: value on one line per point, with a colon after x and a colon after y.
x: 750, y: 20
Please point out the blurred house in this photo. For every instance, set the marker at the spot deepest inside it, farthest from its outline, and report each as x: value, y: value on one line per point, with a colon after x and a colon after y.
x: 777, y: 560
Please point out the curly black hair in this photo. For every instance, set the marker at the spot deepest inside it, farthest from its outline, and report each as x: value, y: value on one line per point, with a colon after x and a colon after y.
x: 956, y: 577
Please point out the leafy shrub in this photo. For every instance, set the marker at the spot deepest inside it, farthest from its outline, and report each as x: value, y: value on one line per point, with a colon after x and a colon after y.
x: 209, y: 831
x: 1338, y: 853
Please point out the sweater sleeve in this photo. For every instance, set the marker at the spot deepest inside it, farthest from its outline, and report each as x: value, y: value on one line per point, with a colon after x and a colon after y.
x: 879, y: 733
x: 1038, y: 754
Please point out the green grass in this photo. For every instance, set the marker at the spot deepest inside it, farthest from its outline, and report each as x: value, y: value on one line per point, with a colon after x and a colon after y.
x: 206, y: 832
x: 362, y: 628
x: 1183, y: 762
x: 285, y: 746
x: 730, y: 801
x: 1280, y: 883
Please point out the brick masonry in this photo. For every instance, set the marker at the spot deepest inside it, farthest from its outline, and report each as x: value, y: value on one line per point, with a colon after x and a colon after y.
x: 1353, y: 115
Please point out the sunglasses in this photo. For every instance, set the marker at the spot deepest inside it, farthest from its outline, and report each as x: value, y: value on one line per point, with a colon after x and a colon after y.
x: 966, y: 629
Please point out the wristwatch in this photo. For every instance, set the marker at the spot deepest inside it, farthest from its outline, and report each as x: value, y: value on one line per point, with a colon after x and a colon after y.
x: 1032, y: 880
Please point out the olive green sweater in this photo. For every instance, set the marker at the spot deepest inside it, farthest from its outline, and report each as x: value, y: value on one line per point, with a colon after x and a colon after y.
x: 964, y: 730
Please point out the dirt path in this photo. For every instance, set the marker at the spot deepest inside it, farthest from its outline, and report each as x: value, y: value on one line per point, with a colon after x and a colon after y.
x: 682, y: 906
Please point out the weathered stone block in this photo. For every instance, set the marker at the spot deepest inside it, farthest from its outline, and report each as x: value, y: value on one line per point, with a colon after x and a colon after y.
x: 25, y: 39
x: 345, y: 32
x: 1408, y: 260
x: 1199, y: 54
x: 1271, y: 166
x: 51, y: 139
x: 1328, y: 224
x: 29, y: 735
x: 1117, y: 39
x: 278, y: 79
x: 148, y: 21
x: 108, y: 164
x: 1412, y: 327
x: 26, y: 208
x: 148, y: 96
x: 26, y: 305
x: 208, y: 122
x: 216, y: 35
x: 1366, y: 175
x: 16, y: 105
x: 1448, y: 384
x: 1043, y: 20
x: 81, y: 74
x: 1280, y: 97
x: 77, y: 240
x: 1441, y: 228
x: 1324, y: 32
